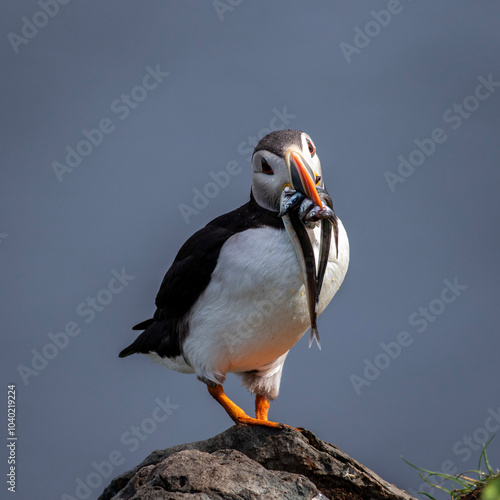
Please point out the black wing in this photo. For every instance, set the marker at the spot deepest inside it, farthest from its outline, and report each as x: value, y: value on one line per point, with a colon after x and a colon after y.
x: 189, y: 276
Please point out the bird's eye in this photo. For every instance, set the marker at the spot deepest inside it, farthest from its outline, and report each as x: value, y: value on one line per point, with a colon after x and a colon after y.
x: 318, y: 179
x: 311, y: 147
x: 266, y: 168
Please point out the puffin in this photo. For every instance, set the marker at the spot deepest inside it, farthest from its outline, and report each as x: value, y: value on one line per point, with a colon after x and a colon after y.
x: 244, y: 289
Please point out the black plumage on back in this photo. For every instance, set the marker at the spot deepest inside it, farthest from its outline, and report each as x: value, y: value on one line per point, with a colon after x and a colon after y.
x: 189, y: 275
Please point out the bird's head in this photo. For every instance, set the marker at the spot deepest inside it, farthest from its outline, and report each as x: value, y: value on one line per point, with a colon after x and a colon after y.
x: 285, y: 158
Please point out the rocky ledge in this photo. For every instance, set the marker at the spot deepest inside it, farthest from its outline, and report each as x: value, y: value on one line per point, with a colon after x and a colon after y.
x: 251, y: 463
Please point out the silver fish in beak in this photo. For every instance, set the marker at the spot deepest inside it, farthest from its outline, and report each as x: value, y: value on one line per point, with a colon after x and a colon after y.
x: 304, y: 204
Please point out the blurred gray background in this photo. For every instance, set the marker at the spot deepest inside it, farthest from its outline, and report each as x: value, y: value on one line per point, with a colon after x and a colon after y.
x: 235, y: 70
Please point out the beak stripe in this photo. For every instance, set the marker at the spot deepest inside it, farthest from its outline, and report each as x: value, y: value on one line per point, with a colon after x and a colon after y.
x: 306, y: 180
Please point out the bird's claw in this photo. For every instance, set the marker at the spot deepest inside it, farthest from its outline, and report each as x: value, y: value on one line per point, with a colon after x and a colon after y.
x: 246, y: 420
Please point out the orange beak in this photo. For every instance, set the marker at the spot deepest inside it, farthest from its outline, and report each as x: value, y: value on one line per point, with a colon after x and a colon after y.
x: 302, y: 176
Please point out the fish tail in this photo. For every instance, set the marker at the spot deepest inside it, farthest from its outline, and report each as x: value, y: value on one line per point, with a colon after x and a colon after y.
x: 314, y: 335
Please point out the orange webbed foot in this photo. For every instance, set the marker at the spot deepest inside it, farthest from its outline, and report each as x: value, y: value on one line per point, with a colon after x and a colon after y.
x: 238, y: 415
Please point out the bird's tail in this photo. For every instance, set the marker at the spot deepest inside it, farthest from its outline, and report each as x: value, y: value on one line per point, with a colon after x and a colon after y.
x: 163, y: 337
x: 132, y: 348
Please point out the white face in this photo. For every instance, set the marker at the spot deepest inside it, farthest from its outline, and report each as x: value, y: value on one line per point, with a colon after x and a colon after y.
x: 270, y: 174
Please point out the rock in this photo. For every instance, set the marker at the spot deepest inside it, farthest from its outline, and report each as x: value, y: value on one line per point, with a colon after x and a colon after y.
x: 248, y: 463
x: 221, y: 474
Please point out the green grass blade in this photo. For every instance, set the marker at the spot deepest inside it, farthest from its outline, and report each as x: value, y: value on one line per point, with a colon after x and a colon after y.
x: 418, y: 468
x: 435, y: 485
x: 455, y: 479
x: 484, y: 456
x: 486, y: 462
x: 466, y: 484
x: 473, y: 471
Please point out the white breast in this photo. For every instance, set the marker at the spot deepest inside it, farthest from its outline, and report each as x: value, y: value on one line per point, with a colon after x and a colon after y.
x: 254, y: 308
